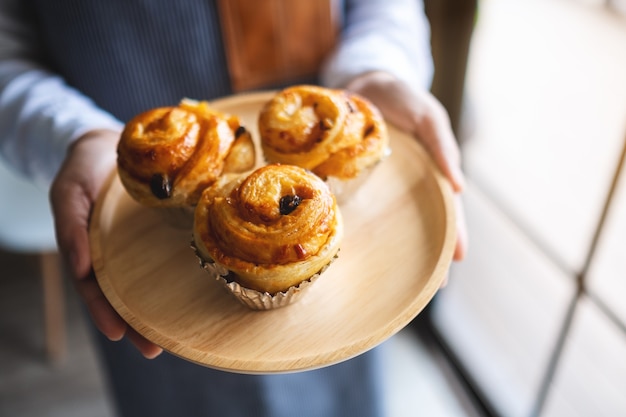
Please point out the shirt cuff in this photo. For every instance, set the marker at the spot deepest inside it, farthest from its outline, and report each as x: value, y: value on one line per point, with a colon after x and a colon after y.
x: 40, y: 117
x: 383, y: 35
x: 355, y: 59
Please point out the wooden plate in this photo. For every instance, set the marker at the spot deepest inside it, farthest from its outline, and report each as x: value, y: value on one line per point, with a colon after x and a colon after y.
x: 400, y: 235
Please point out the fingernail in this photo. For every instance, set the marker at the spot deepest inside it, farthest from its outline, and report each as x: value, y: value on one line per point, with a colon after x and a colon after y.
x: 459, y: 178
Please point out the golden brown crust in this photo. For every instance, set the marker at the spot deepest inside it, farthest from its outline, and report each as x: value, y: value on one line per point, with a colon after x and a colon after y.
x: 273, y: 228
x: 328, y: 131
x: 371, y: 148
x: 168, y: 155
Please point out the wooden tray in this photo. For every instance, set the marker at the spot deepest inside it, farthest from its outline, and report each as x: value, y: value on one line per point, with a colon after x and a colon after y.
x: 400, y: 235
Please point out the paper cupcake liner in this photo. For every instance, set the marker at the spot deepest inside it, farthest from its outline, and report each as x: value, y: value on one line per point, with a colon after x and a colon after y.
x: 254, y: 299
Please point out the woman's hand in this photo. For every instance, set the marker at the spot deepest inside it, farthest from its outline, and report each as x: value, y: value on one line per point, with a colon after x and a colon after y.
x: 423, y: 116
x: 88, y: 164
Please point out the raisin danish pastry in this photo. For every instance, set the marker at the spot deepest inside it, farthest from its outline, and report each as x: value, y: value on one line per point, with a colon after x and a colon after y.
x: 167, y: 156
x: 267, y: 232
x: 338, y: 135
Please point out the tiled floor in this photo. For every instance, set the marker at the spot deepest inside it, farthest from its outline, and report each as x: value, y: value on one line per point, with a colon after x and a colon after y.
x: 418, y: 382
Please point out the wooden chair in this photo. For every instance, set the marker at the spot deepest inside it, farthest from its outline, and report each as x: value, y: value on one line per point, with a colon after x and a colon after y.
x: 26, y: 226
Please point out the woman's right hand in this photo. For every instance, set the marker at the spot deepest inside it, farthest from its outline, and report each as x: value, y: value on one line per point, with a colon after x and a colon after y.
x: 423, y: 116
x: 88, y: 164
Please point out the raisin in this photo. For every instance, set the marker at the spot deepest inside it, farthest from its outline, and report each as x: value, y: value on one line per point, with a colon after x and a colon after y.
x: 161, y: 186
x: 289, y: 203
x: 240, y: 131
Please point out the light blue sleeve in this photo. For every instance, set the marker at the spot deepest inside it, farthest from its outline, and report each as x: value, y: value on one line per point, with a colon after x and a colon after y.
x: 382, y: 35
x: 40, y: 115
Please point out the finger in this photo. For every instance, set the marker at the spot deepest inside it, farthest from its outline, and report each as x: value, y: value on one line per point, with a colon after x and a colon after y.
x: 460, y: 250
x: 148, y: 349
x: 445, y: 280
x: 90, y: 160
x: 104, y: 317
x: 435, y: 133
x: 71, y: 209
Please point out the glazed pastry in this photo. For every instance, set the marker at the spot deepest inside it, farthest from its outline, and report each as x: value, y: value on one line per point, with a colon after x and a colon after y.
x: 333, y: 133
x: 167, y: 156
x: 350, y: 161
x: 269, y: 230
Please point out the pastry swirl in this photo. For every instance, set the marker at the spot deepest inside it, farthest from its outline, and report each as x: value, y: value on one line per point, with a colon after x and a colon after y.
x: 328, y: 131
x: 273, y: 228
x: 168, y: 155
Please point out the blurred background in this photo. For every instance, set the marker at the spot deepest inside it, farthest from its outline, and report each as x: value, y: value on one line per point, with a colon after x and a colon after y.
x: 533, y: 323
x: 535, y: 318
